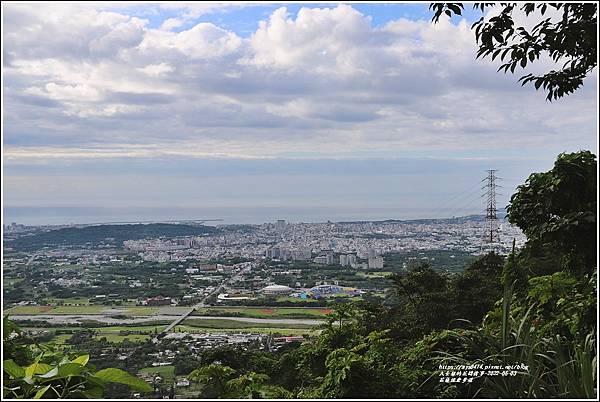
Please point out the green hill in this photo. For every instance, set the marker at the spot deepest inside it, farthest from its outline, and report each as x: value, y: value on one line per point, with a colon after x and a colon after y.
x: 106, y: 234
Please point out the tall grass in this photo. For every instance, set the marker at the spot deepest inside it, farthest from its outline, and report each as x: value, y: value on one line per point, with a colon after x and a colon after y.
x: 557, y: 367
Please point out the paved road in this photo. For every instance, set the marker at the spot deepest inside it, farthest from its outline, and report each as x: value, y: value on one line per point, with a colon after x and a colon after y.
x: 30, y: 260
x: 201, y: 303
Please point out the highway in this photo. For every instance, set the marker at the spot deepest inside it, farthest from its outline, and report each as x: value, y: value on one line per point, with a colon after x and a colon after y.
x: 201, y: 304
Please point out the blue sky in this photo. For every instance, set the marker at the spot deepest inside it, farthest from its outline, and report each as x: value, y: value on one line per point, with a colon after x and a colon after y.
x: 354, y: 107
x: 243, y: 20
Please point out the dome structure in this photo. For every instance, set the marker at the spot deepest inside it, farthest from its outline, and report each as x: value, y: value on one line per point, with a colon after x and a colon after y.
x: 276, y: 290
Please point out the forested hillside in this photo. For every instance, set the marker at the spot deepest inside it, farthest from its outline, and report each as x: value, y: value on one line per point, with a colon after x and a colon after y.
x: 106, y: 234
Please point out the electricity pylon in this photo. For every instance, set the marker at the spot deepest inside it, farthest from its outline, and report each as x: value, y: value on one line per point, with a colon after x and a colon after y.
x: 491, y: 231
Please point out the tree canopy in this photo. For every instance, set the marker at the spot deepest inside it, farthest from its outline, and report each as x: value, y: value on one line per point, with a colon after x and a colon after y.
x: 570, y: 41
x: 557, y: 211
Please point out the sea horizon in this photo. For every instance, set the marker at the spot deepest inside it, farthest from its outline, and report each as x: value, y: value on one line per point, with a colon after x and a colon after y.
x: 68, y: 215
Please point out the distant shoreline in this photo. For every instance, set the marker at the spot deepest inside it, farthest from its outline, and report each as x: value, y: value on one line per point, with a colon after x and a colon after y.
x: 83, y: 216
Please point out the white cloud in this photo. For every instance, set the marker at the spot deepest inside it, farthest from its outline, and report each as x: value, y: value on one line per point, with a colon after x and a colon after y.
x: 325, y: 80
x: 156, y: 70
x: 322, y: 40
x: 203, y: 41
x: 171, y: 23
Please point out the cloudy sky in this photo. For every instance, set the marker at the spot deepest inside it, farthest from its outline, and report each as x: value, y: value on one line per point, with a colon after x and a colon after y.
x: 329, y: 109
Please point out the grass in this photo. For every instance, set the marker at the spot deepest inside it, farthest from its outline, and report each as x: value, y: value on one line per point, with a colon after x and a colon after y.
x: 224, y: 323
x: 144, y: 328
x: 111, y: 329
x: 266, y: 312
x: 295, y: 300
x: 166, y: 372
x: 28, y: 310
x: 83, y: 310
x: 254, y: 312
x: 9, y: 282
x: 111, y: 337
x: 115, y: 338
x: 70, y: 267
x: 377, y: 274
x: 76, y: 310
x: 69, y: 301
x: 60, y: 339
x: 255, y: 330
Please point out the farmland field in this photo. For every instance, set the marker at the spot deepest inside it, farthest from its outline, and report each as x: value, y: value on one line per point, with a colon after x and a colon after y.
x: 254, y: 312
x: 266, y: 312
x: 83, y: 310
x: 377, y: 274
x: 254, y: 330
x: 166, y: 372
x: 223, y: 323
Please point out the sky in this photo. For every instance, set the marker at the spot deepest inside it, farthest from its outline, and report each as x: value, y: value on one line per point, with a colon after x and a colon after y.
x: 257, y: 111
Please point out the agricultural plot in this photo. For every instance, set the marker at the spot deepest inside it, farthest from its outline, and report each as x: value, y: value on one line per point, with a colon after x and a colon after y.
x: 375, y: 274
x: 83, y: 310
x: 166, y: 372
x: 266, y: 312
x: 254, y: 330
x: 231, y: 324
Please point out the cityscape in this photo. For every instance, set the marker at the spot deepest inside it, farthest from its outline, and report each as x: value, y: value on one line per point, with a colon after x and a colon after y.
x: 299, y: 201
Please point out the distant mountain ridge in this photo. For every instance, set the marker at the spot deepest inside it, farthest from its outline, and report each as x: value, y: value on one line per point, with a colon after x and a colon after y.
x: 111, y: 234
x: 501, y: 215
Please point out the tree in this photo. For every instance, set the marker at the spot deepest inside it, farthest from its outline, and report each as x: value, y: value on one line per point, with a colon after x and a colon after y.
x: 254, y: 385
x: 570, y: 41
x: 557, y: 211
x: 213, y: 379
x: 475, y: 291
x: 423, y: 302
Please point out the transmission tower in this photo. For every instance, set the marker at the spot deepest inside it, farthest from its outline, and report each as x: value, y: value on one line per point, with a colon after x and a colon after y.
x: 491, y: 232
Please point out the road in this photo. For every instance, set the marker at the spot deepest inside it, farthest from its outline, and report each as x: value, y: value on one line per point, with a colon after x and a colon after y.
x: 201, y: 304
x: 33, y: 257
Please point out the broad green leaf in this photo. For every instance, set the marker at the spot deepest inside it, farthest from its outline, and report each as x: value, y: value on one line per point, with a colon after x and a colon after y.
x: 83, y: 359
x: 41, y: 392
x: 69, y: 369
x: 94, y: 392
x: 13, y: 369
x: 37, y: 368
x: 50, y: 373
x: 123, y: 377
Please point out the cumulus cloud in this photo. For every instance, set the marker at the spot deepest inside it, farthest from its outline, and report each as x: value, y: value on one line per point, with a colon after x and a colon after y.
x: 323, y: 80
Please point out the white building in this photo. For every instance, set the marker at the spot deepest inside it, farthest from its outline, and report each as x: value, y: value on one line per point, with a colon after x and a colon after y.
x: 276, y: 290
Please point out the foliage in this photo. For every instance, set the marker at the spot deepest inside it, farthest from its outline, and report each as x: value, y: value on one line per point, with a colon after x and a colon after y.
x: 53, y: 374
x: 213, y: 379
x: 253, y: 385
x: 570, y: 40
x: 565, y: 306
x: 422, y: 300
x: 548, y: 367
x: 513, y: 273
x: 475, y: 291
x: 218, y: 380
x: 557, y: 211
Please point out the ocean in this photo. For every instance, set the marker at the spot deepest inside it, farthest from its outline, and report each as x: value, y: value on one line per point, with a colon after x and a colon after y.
x: 228, y: 215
